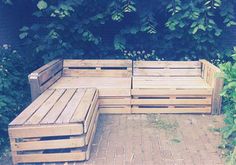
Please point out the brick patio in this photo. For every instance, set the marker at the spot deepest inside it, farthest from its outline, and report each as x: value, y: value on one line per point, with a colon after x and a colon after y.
x: 157, y: 139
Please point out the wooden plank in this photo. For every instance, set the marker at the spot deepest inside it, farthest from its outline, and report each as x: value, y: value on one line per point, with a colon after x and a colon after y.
x: 49, y: 72
x: 167, y: 64
x: 34, y: 86
x: 78, y: 141
x: 59, y: 106
x: 31, y: 109
x: 46, y: 66
x: 51, y: 157
x: 171, y: 110
x: 97, y: 63
x: 50, y: 82
x: 114, y: 92
x: 92, y: 126
x: 45, y: 108
x: 71, y: 107
x: 216, y: 97
x: 171, y: 101
x: 92, y: 110
x: 13, y: 152
x: 115, y: 101
x: 82, y: 109
x: 168, y: 72
x: 46, y: 130
x: 90, y: 140
x: 170, y: 92
x: 96, y: 73
x: 169, y: 82
x: 120, y: 110
x: 93, y: 82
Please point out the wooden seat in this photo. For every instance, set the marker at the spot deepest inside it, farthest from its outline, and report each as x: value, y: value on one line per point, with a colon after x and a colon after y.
x: 171, y: 87
x: 120, y: 82
x: 57, y: 127
x: 94, y: 82
x: 169, y: 82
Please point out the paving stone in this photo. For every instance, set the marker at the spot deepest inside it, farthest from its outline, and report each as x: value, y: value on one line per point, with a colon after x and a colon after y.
x: 134, y: 140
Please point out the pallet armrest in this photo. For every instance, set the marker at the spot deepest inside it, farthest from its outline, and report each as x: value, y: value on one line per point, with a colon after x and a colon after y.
x: 212, y: 75
x: 44, y: 77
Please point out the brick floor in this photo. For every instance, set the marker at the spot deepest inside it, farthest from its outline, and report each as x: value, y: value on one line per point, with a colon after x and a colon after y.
x: 157, y: 139
x: 164, y: 139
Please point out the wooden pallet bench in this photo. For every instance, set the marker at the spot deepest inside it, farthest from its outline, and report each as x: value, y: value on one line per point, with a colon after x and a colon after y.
x: 58, y: 126
x: 175, y: 87
x: 60, y: 123
x: 138, y: 86
x: 111, y: 77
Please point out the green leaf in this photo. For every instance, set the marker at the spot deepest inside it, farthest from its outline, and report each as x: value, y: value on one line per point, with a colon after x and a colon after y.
x: 42, y: 5
x: 195, y: 30
x: 24, y: 28
x: 23, y: 35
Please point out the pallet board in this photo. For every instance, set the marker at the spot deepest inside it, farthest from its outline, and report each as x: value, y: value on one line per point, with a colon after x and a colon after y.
x: 171, y: 100
x: 97, y: 68
x: 57, y: 127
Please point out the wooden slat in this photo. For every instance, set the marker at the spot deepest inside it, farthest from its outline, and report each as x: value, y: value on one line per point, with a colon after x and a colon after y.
x: 114, y: 92
x: 96, y: 73
x: 58, y: 107
x: 46, y: 66
x: 169, y: 82
x: 92, y: 110
x: 170, y: 92
x: 71, y: 107
x: 97, y: 63
x: 50, y: 82
x: 45, y: 108
x: 171, y: 101
x: 90, y: 140
x: 92, y: 126
x: 168, y: 72
x: 114, y: 101
x: 49, y: 144
x: 93, y: 82
x: 167, y: 64
x: 114, y: 110
x: 50, y: 72
x: 46, y: 130
x: 171, y: 110
x: 83, y: 107
x: 52, y: 157
x: 31, y: 109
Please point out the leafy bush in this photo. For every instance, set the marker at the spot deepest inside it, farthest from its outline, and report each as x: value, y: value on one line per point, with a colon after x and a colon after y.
x: 13, y: 93
x: 229, y: 95
x: 174, y: 29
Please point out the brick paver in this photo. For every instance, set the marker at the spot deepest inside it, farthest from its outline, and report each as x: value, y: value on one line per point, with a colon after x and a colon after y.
x: 157, y: 139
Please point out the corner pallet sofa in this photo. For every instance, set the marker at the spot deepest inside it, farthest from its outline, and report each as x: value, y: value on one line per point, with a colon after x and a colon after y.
x: 139, y: 86
x: 68, y: 95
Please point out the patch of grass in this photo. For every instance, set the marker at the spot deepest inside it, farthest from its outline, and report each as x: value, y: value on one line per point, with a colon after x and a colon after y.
x: 175, y: 140
x: 214, y: 129
x: 164, y: 124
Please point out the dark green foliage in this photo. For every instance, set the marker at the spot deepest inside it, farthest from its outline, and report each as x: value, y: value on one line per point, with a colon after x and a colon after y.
x: 229, y: 94
x: 173, y: 29
x: 13, y: 87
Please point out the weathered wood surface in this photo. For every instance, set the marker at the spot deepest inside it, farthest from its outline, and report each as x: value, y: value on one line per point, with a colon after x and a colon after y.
x: 213, y: 77
x: 97, y: 68
x: 58, y: 120
x: 167, y: 68
x: 44, y: 77
x: 169, y: 82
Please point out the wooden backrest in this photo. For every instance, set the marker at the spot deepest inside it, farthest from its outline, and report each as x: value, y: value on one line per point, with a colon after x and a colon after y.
x: 97, y: 68
x: 167, y: 68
